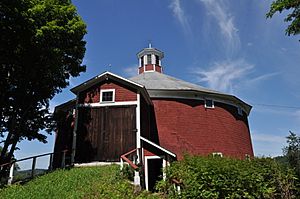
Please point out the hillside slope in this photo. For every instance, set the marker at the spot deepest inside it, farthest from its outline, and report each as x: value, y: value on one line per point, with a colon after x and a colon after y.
x: 89, y: 182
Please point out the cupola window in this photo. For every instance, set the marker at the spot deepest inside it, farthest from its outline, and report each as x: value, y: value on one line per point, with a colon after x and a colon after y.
x: 148, y: 59
x: 142, y: 61
x: 209, y: 103
x: 156, y: 60
x: 107, y: 95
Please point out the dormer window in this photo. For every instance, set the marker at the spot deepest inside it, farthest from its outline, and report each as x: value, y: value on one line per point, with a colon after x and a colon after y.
x: 209, y: 103
x: 148, y: 59
x: 240, y: 111
x: 107, y: 95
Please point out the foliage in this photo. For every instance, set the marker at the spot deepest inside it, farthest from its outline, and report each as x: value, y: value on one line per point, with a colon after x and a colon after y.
x: 282, y: 160
x: 292, y: 152
x: 89, y: 182
x: 293, y: 17
x: 41, y: 47
x: 213, y: 177
x: 127, y: 172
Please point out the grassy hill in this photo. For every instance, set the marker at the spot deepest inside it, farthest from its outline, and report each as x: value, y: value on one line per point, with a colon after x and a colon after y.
x: 89, y: 182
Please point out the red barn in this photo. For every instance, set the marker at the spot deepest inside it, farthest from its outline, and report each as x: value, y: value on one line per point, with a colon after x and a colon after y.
x: 154, y: 116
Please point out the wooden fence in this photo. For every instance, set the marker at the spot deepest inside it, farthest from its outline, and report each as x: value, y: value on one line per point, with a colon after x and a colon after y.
x: 11, y: 165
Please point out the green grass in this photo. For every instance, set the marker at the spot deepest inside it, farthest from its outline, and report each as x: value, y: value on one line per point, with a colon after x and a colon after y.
x: 89, y: 182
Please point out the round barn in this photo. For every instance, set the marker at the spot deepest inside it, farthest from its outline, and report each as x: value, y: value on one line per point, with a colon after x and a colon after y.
x: 149, y: 120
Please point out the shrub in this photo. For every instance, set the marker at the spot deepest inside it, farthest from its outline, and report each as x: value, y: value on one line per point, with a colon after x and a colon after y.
x: 214, y: 177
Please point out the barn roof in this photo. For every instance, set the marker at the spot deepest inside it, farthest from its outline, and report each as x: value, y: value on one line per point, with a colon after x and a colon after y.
x: 108, y: 75
x: 161, y: 85
x: 155, y: 80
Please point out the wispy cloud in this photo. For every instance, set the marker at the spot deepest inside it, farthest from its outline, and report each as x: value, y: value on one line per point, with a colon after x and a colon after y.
x: 268, y: 138
x: 180, y: 15
x: 231, y: 75
x: 131, y: 71
x: 267, y: 144
x: 262, y: 78
x: 220, y: 12
x: 222, y: 75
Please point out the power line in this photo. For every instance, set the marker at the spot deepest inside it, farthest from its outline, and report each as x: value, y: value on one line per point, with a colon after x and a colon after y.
x: 278, y: 106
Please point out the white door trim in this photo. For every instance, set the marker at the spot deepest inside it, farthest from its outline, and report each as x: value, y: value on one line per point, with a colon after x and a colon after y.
x: 146, y: 168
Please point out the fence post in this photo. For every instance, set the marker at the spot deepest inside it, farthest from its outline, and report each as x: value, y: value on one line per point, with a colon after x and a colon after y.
x: 11, y: 174
x: 50, y: 162
x: 63, y: 160
x: 33, y: 167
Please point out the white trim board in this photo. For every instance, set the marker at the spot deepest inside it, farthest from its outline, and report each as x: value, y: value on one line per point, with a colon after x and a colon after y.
x: 157, y: 146
x: 146, y: 168
x: 122, y: 78
x: 108, y: 104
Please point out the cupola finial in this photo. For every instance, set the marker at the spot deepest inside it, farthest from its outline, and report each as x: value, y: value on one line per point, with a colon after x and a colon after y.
x: 150, y: 59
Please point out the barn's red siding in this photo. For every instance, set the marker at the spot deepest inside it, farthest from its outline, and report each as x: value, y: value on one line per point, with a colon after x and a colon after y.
x: 149, y: 67
x: 158, y: 68
x: 187, y: 126
x: 122, y: 93
x: 141, y: 69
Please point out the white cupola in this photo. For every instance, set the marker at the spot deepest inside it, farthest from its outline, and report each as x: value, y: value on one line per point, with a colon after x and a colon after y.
x: 150, y: 60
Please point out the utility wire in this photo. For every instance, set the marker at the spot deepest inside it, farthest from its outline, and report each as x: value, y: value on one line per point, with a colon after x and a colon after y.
x: 278, y: 106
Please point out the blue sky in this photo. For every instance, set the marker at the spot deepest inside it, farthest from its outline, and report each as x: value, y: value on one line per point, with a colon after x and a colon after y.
x: 228, y: 46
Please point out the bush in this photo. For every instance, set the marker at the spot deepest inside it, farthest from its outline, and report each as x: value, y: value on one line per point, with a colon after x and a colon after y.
x: 214, y: 177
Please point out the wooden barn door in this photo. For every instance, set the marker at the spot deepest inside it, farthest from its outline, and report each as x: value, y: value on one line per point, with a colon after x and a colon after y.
x: 118, y: 134
x: 108, y: 133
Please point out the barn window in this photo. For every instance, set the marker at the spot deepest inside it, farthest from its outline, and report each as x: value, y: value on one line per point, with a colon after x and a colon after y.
x: 209, y: 103
x: 217, y: 154
x: 107, y: 95
x: 247, y: 157
x: 240, y: 111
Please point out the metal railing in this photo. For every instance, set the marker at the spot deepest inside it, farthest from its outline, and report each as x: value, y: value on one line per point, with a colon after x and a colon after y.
x: 11, y: 165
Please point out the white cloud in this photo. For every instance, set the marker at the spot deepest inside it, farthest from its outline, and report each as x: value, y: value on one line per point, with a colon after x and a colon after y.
x: 268, y: 138
x: 230, y: 76
x: 131, y: 71
x: 267, y: 144
x: 222, y: 75
x: 180, y: 15
x: 219, y: 11
x: 262, y: 78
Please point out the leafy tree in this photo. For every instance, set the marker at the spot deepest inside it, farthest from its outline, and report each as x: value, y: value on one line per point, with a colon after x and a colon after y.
x: 292, y: 152
x: 41, y: 47
x: 293, y: 17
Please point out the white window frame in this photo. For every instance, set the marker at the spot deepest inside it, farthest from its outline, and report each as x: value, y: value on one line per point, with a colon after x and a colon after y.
x: 247, y: 157
x: 212, y: 103
x: 107, y: 90
x: 217, y: 154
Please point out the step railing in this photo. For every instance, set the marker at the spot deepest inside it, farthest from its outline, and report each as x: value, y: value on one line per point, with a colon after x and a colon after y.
x: 125, y: 157
x: 132, y: 163
x: 11, y: 165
